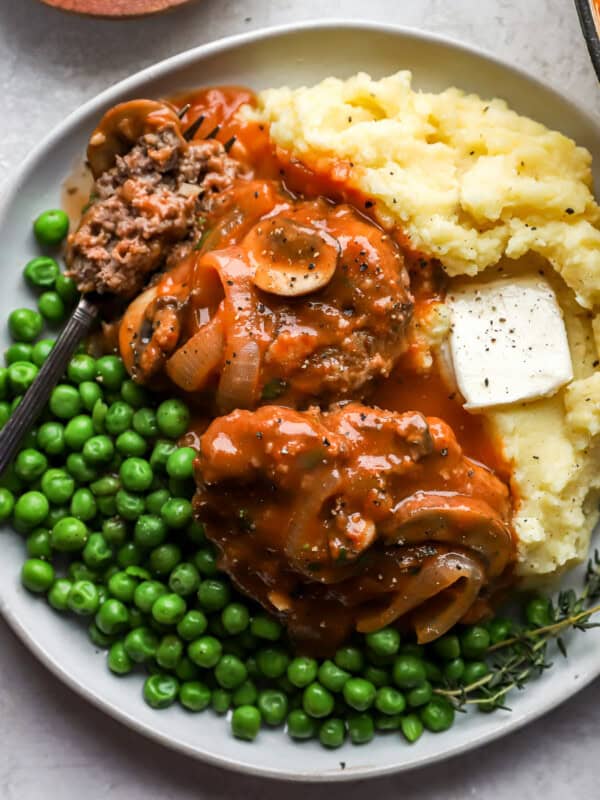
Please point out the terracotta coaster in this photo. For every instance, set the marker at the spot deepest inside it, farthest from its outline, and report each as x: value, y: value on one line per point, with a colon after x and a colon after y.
x: 115, y: 8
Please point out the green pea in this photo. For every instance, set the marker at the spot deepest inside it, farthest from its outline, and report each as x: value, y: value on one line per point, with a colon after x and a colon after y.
x: 131, y: 444
x: 170, y: 651
x: 112, y: 617
x: 300, y: 725
x: 122, y: 586
x: 114, y: 531
x: 9, y: 480
x: 7, y: 504
x: 317, y: 701
x: 5, y: 412
x: 377, y: 675
x: 332, y: 677
x: 51, y: 227
x: 168, y: 609
x: 194, y: 695
x: 111, y: 372
x: 51, y: 438
x: 332, y: 733
x: 499, y: 630
x: 437, y: 715
x: 160, y: 691
x: 453, y: 670
x: 235, y: 618
x: 67, y: 289
x: 83, y: 598
x: 136, y: 474
x: 25, y: 324
x: 156, y: 500
x: 385, y: 642
x: 220, y: 701
x: 246, y: 694
x: 180, y: 463
x: 99, y: 412
x: 149, y: 531
x: 205, y: 561
x: 474, y: 671
x: 213, y: 595
x: 359, y: 693
x: 30, y: 464
x: 19, y: 351
x: 264, y: 627
x: 474, y: 641
x: 245, y: 722
x: 388, y: 722
x: 538, y: 614
x: 58, y: 486
x: 230, y: 671
x: 69, y: 535
x: 144, y: 423
x: 21, y: 374
x: 141, y: 644
x: 81, y: 368
x: 177, y: 512
x: 37, y: 575
x: 389, y: 700
x: 118, y: 661
x: 90, y: 393
x: 118, y: 418
x: 41, y: 272
x: 78, y: 431
x: 97, y: 553
x: 83, y: 505
x: 98, y: 450
x: 412, y: 727
x: 58, y: 596
x: 164, y: 558
x: 205, y: 651
x: 173, y: 418
x: 65, y: 401
x: 30, y: 509
x: 39, y: 544
x: 41, y: 350
x: 408, y: 671
x: 147, y: 593
x: 420, y: 695
x: 192, y: 625
x: 184, y: 579
x: 361, y: 728
x: 133, y: 394
x: 160, y: 454
x: 273, y: 706
x: 51, y: 307
x: 129, y: 506
x: 349, y: 658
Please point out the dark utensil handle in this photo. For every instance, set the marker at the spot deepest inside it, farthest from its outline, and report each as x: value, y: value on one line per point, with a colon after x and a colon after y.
x: 51, y: 371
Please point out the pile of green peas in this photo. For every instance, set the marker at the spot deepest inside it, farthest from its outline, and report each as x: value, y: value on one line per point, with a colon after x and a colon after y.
x: 101, y: 492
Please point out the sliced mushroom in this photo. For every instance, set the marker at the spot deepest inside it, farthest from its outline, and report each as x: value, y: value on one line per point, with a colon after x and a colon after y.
x: 121, y: 126
x: 455, y: 519
x: 291, y: 258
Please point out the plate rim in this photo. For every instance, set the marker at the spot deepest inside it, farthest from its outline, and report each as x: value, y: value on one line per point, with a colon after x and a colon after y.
x: 21, y: 174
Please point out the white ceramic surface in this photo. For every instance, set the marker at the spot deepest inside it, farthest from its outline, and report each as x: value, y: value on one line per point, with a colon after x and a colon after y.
x: 295, y: 55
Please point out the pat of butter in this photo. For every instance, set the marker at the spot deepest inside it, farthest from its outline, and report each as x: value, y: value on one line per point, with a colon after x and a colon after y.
x: 508, y: 342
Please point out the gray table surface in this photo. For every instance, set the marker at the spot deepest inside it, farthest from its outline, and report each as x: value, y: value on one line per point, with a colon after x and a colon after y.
x: 52, y: 743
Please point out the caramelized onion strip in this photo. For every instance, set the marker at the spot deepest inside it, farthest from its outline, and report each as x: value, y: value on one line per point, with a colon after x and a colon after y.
x: 453, y: 578
x: 193, y: 363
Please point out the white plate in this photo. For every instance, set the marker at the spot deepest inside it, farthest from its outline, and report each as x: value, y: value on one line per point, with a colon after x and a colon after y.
x: 294, y: 55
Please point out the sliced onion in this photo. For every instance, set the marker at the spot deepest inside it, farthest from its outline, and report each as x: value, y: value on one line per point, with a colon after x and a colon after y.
x: 238, y: 387
x: 195, y: 361
x: 437, y: 576
x: 131, y: 326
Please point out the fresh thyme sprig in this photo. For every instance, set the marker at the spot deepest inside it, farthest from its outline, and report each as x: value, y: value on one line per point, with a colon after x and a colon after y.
x: 520, y: 658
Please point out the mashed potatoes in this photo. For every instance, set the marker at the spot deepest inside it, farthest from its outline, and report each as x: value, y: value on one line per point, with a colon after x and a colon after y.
x: 476, y: 185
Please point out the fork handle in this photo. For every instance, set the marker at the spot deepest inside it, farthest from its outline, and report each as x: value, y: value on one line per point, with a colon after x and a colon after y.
x: 51, y: 371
